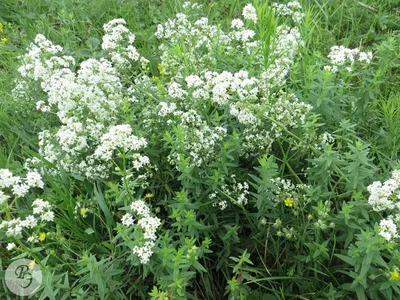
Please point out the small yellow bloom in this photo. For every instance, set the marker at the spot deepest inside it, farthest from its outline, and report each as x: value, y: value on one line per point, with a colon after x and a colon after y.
x: 31, y: 264
x: 395, y: 275
x: 4, y: 40
x: 288, y: 202
x: 82, y: 211
x: 42, y: 237
x: 148, y: 195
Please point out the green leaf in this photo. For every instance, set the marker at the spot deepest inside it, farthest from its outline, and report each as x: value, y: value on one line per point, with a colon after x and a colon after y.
x: 347, y: 259
x: 360, y: 292
x: 104, y: 207
x: 385, y: 286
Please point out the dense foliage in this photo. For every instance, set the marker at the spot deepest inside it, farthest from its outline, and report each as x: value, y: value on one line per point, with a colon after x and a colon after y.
x: 201, y: 150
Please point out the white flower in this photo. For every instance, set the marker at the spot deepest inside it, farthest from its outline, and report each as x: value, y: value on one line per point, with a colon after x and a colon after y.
x: 33, y: 239
x: 41, y: 105
x: 144, y: 253
x: 340, y: 55
x: 34, y: 179
x: 193, y: 81
x: 380, y: 193
x: 40, y: 206
x: 149, y: 225
x: 388, y: 229
x: 3, y: 197
x: 127, y: 219
x: 20, y: 190
x: 48, y: 216
x: 160, y: 31
x: 7, y: 179
x: 29, y: 222
x: 140, y: 208
x: 165, y: 109
x: 118, y: 137
x: 237, y: 24
x: 249, y: 13
x: 175, y: 91
x: 10, y: 246
x: 139, y: 161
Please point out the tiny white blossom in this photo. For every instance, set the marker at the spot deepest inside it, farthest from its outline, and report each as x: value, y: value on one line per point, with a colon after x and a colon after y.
x: 3, y: 197
x: 20, y: 190
x: 127, y: 219
x: 10, y: 246
x: 388, y: 229
x: 249, y: 13
x: 34, y: 179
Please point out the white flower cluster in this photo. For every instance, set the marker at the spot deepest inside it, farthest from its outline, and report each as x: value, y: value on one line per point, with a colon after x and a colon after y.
x: 200, y: 144
x: 118, y: 137
x: 341, y: 56
x: 41, y: 60
x: 238, y: 191
x: 87, y: 101
x: 18, y: 186
x: 148, y: 226
x: 202, y: 41
x: 287, y: 110
x: 284, y: 48
x: 324, y: 139
x: 284, y: 108
x: 285, y: 189
x: 385, y: 197
x: 245, y: 101
x: 165, y: 109
x: 249, y: 13
x: 223, y: 87
x: 42, y: 213
x: 291, y: 9
x: 118, y: 41
x: 388, y: 229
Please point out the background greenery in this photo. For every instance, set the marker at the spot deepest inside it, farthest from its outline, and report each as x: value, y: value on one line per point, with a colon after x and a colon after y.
x: 362, y: 112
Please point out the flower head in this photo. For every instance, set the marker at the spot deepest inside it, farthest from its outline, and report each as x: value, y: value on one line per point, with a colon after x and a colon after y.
x: 395, y: 275
x: 42, y: 236
x: 249, y: 13
x: 288, y: 202
x: 83, y: 211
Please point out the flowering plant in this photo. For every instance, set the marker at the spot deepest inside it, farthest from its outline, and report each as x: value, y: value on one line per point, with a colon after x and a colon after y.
x: 206, y: 177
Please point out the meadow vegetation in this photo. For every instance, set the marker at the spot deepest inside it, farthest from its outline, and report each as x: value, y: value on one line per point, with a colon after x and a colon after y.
x: 203, y: 149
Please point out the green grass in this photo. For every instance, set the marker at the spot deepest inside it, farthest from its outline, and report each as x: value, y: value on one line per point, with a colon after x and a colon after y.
x: 362, y: 111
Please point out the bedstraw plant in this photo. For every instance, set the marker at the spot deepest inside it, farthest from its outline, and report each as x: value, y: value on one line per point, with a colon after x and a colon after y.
x: 207, y: 159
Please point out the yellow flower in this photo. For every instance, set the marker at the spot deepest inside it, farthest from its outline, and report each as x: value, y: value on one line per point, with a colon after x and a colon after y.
x: 4, y: 40
x: 288, y: 202
x: 148, y: 195
x: 82, y: 211
x: 395, y: 275
x: 31, y: 264
x: 42, y: 237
